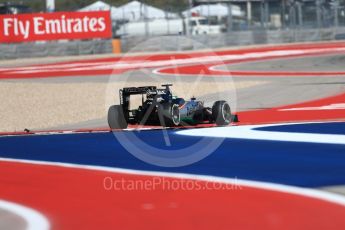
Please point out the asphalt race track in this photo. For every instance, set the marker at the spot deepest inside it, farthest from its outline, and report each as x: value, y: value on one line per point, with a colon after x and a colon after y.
x: 272, y: 170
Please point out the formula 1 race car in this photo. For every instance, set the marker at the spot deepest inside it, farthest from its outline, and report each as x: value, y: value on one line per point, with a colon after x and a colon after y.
x: 160, y: 107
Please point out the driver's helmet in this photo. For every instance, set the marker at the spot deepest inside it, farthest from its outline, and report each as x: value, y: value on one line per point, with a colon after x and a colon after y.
x: 179, y: 101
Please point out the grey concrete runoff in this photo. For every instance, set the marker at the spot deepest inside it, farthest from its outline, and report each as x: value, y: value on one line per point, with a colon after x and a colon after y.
x: 11, y: 221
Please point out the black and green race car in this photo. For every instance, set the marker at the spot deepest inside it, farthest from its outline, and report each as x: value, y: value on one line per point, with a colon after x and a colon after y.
x: 160, y: 107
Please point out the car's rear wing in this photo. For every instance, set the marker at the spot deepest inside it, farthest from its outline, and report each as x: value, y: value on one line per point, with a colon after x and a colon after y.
x: 137, y: 90
x: 125, y: 94
x: 150, y: 91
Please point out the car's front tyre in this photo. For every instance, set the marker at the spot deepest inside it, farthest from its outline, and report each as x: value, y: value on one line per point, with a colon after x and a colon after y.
x: 221, y: 113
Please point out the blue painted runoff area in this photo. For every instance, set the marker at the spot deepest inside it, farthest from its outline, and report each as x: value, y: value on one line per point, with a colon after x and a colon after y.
x: 291, y: 163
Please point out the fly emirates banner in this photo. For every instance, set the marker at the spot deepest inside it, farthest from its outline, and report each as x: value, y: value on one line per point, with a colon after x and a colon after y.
x: 54, y: 26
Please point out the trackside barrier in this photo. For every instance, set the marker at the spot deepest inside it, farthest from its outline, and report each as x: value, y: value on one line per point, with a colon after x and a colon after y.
x: 66, y: 48
x: 166, y: 43
x: 235, y: 38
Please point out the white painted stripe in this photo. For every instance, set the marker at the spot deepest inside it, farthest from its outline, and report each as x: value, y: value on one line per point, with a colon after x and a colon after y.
x: 45, y: 133
x: 324, y: 107
x: 249, y: 132
x: 310, y: 193
x: 61, y: 132
x: 286, y: 53
x: 34, y: 219
x: 159, y: 63
x: 233, y: 57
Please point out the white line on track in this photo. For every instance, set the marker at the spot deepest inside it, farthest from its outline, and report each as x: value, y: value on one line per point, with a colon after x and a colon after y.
x: 309, y: 193
x: 160, y: 63
x: 334, y: 106
x: 280, y: 54
x: 34, y: 219
x: 245, y: 56
x: 249, y: 132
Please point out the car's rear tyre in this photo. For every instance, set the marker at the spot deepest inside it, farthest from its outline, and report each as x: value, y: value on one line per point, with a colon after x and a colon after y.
x: 221, y: 113
x: 116, y: 118
x: 170, y: 114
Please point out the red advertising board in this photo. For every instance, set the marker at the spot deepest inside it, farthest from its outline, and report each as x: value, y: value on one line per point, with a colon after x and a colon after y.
x: 54, y: 26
